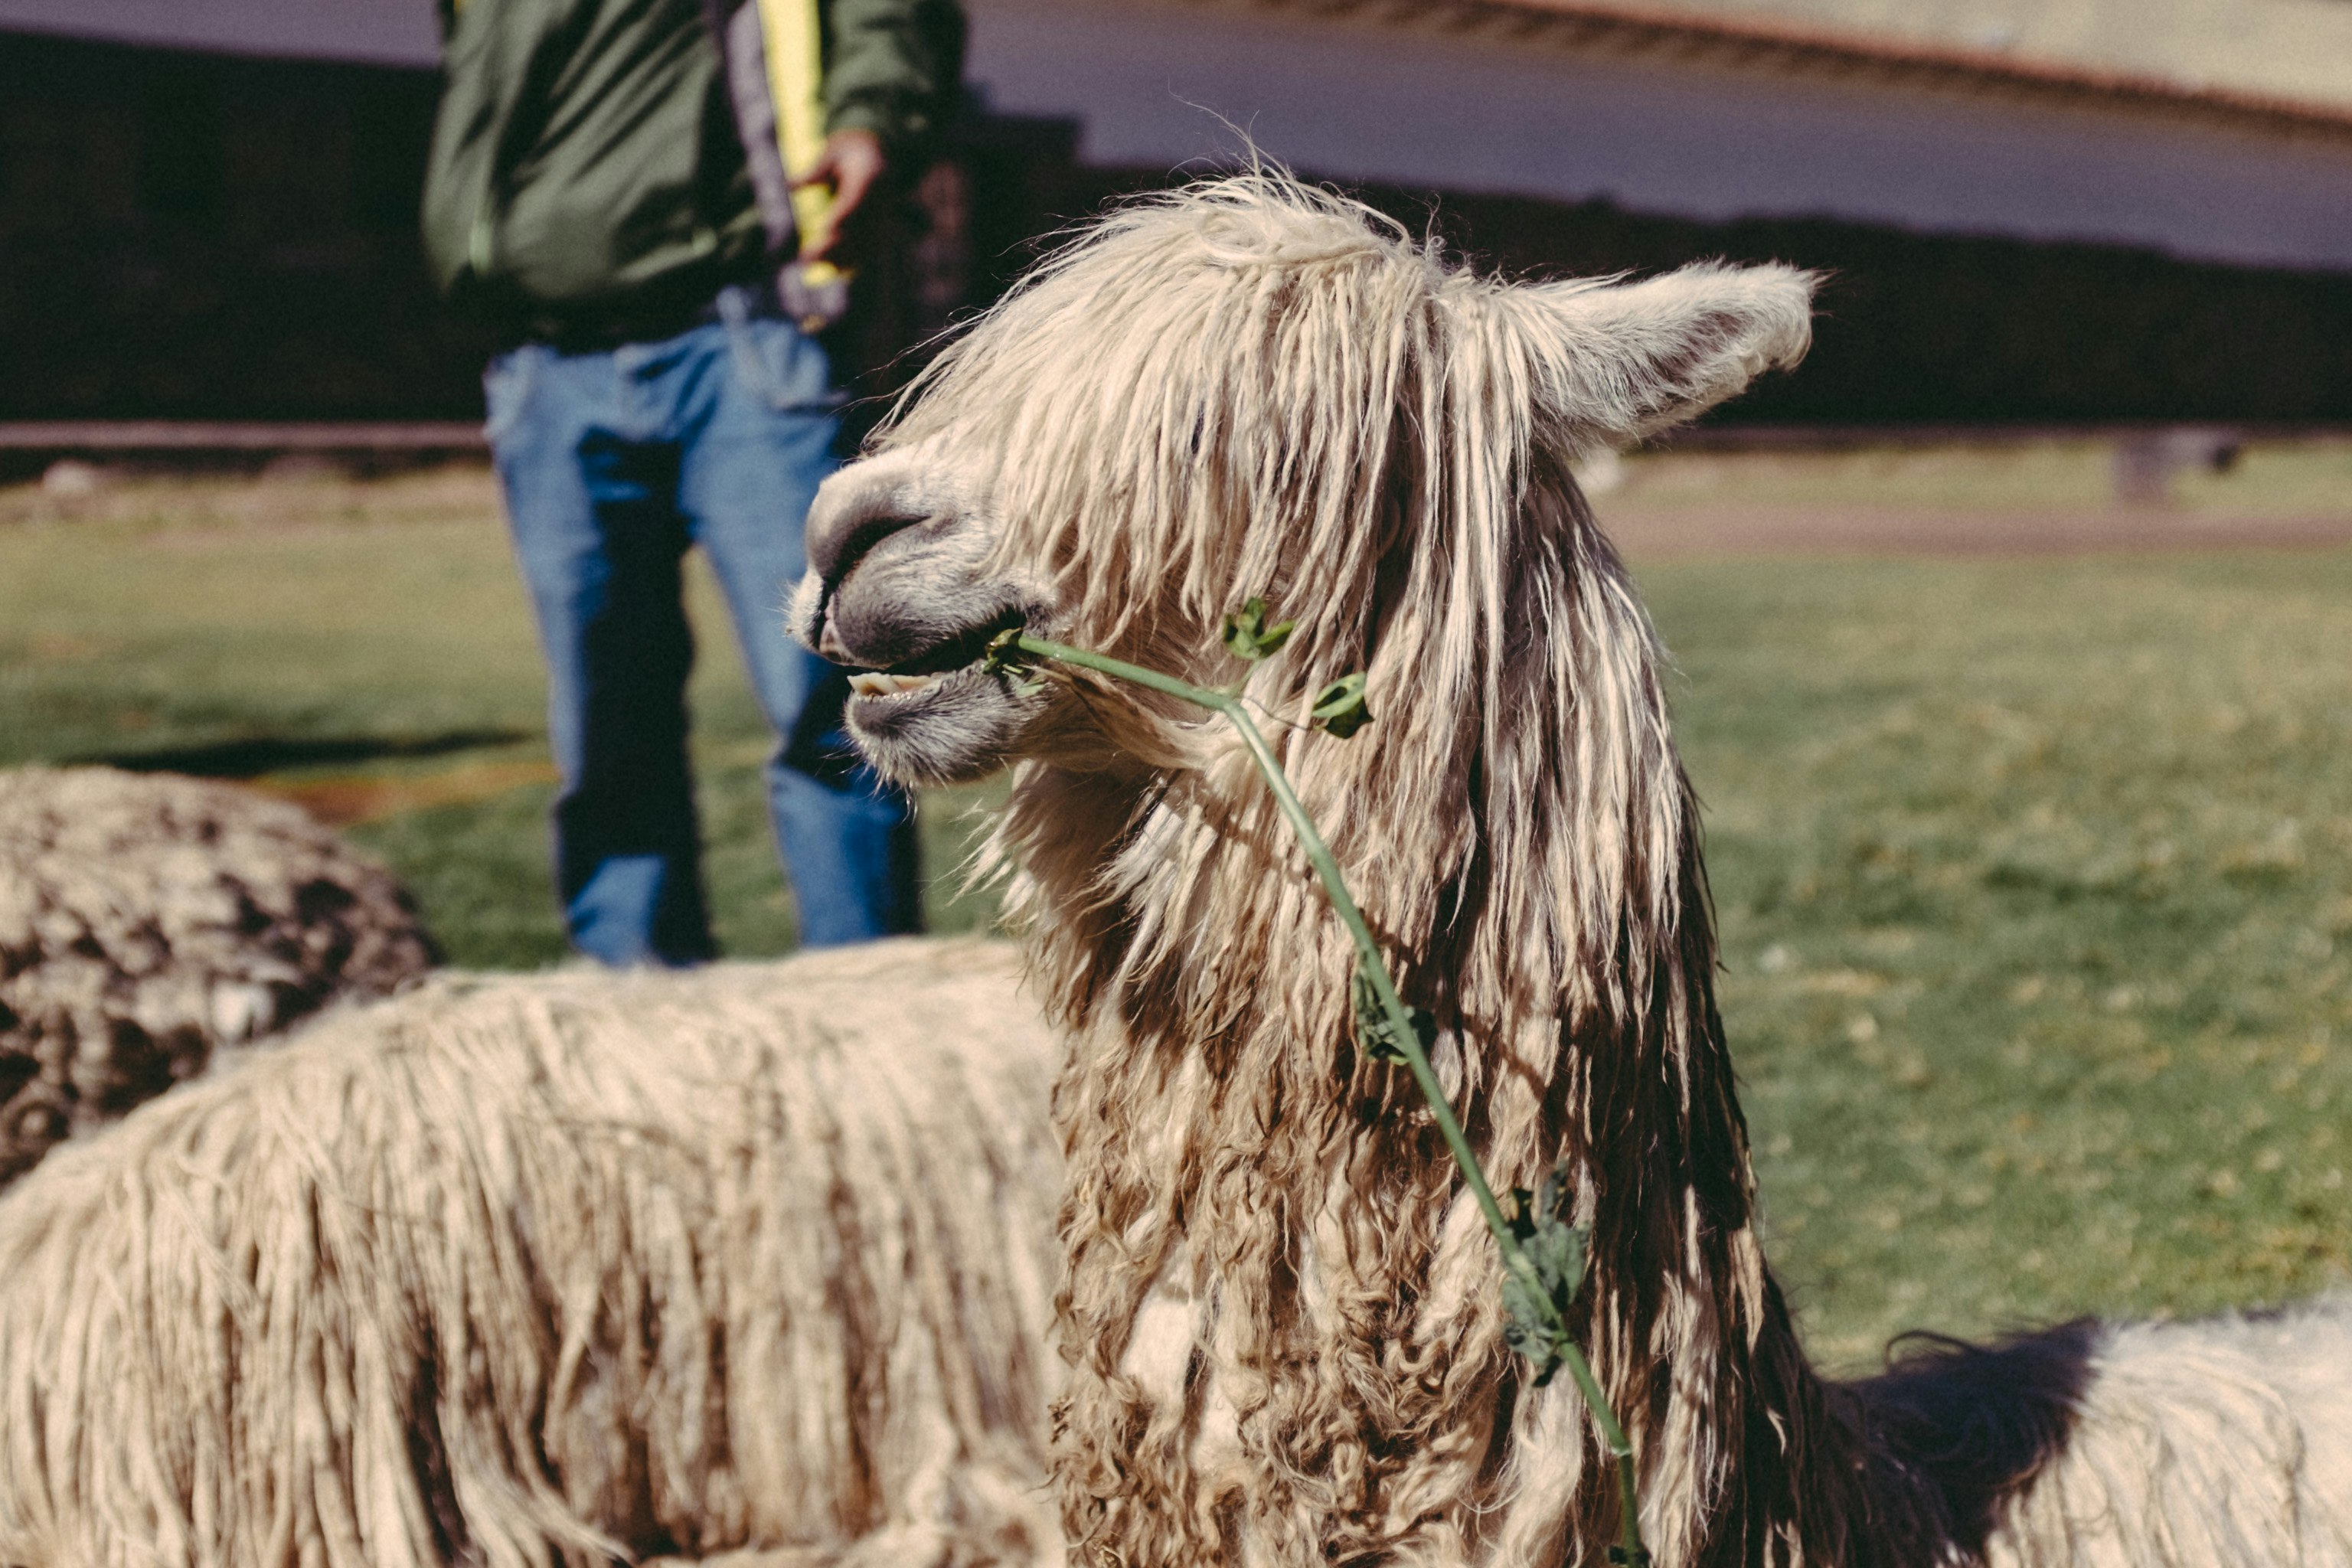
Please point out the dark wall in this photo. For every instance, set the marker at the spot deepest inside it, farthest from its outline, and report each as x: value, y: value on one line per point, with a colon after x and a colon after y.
x: 194, y: 236
x: 186, y: 236
x: 1914, y: 328
x: 1936, y: 329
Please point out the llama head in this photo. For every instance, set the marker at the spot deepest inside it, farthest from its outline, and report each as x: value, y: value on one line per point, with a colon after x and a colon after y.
x: 1248, y: 388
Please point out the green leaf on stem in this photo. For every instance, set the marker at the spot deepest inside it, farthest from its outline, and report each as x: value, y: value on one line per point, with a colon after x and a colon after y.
x: 1247, y: 637
x: 1006, y: 659
x: 1376, y: 1035
x: 1339, y: 708
x: 1526, y: 1328
x: 1538, y: 1309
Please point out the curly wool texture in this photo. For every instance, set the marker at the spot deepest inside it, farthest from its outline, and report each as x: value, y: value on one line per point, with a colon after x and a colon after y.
x: 553, y: 1270
x: 148, y: 919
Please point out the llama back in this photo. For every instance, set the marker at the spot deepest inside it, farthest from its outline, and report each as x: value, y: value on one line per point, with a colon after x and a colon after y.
x: 2222, y: 1441
x: 537, y: 1269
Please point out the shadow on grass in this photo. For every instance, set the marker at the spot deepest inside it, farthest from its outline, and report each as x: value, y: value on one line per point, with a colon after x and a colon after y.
x: 253, y: 756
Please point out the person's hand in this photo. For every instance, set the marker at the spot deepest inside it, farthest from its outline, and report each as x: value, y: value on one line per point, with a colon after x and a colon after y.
x: 852, y: 162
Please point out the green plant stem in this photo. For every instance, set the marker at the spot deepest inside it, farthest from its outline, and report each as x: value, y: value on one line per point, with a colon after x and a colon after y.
x: 1367, y: 953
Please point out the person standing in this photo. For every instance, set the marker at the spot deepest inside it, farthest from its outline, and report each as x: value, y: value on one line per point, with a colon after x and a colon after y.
x: 606, y: 185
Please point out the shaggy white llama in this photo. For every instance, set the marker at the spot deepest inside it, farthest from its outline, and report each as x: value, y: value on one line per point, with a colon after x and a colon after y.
x: 148, y: 919
x: 535, y: 1269
x: 1280, y: 1309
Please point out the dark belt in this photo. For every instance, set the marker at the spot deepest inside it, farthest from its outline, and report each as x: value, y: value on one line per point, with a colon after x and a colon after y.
x: 602, y: 328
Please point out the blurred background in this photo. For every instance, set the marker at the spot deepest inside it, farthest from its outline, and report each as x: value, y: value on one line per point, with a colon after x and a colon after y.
x: 2015, y: 628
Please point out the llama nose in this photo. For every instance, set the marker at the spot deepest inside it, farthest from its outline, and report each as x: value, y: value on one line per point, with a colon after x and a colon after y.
x: 847, y: 521
x: 830, y: 646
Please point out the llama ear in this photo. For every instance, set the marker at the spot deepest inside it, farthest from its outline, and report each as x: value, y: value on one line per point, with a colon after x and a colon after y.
x: 1622, y: 361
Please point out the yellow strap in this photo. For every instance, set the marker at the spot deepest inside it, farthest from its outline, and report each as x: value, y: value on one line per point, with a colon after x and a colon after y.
x: 794, y: 38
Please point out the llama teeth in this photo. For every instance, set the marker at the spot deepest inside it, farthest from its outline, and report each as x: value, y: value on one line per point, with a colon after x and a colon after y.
x: 882, y: 683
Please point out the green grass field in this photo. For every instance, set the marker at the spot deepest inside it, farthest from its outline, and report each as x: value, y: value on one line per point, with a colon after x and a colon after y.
x: 2035, y: 876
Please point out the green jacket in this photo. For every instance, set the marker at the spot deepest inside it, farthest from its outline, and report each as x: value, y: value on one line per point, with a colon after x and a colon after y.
x: 590, y: 158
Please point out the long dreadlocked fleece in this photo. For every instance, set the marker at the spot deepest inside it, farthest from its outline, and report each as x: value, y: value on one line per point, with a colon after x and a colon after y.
x: 556, y: 1269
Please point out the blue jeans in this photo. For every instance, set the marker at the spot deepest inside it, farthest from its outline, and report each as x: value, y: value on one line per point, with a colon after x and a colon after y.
x: 614, y: 464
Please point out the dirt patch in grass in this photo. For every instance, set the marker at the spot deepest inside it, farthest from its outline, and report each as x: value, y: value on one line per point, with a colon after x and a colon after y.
x: 346, y: 799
